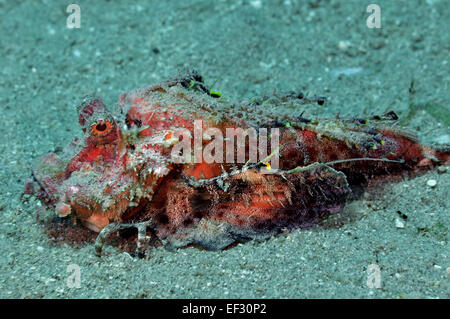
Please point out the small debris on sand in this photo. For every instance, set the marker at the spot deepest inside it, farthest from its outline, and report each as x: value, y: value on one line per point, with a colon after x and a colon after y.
x: 432, y: 183
x: 399, y: 224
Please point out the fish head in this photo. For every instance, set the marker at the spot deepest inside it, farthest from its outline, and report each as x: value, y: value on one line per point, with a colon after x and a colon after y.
x: 107, y: 174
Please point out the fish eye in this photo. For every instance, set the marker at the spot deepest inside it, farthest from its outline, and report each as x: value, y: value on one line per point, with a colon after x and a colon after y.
x: 102, y: 127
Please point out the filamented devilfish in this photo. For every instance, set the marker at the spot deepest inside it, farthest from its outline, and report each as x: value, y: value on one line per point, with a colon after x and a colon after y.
x: 164, y: 163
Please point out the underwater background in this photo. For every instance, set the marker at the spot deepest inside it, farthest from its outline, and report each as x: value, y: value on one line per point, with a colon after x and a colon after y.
x: 242, y: 48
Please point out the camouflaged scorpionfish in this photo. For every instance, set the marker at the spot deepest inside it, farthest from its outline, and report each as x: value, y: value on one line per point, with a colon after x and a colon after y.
x: 123, y: 172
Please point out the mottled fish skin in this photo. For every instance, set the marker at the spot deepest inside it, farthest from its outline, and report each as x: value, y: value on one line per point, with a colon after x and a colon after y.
x: 122, y: 170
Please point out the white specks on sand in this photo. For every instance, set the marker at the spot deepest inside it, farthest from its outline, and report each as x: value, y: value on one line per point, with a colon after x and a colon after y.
x: 399, y: 224
x: 267, y: 65
x: 310, y: 16
x: 76, y: 53
x: 432, y: 183
x: 51, y: 30
x: 347, y: 71
x: 442, y: 169
x: 344, y: 45
x: 257, y: 4
x: 49, y: 281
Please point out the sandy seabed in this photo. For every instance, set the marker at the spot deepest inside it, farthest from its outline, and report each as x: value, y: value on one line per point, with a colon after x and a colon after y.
x: 244, y: 48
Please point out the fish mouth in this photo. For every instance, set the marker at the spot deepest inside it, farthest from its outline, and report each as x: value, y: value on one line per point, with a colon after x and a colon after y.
x: 47, y: 195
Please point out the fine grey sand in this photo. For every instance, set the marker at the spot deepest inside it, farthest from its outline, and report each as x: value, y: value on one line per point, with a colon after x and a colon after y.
x: 242, y: 48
